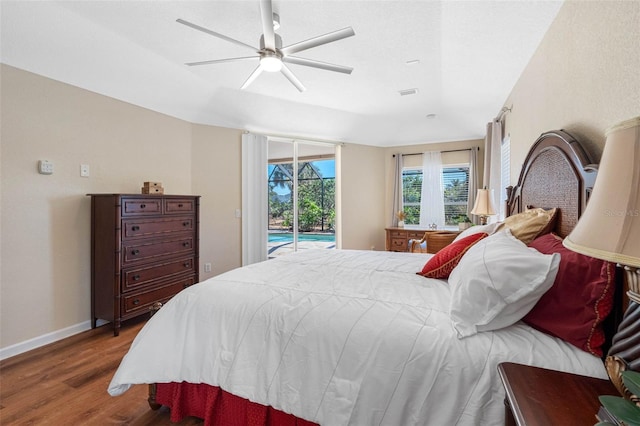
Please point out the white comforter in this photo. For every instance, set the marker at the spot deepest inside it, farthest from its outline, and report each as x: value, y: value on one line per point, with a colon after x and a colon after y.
x: 339, y: 337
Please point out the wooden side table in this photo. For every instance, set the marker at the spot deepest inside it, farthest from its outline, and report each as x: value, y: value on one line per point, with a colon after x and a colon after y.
x: 540, y: 397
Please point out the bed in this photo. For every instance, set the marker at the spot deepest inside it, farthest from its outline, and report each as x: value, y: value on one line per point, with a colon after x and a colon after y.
x: 348, y: 337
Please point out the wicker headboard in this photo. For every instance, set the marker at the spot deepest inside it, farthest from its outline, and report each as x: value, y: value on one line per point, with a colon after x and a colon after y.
x: 557, y: 172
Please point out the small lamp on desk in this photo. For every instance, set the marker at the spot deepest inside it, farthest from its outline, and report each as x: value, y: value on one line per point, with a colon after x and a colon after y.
x: 483, y: 206
x: 609, y: 228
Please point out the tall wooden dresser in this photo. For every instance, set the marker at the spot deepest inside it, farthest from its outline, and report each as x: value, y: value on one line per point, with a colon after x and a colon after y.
x: 144, y: 249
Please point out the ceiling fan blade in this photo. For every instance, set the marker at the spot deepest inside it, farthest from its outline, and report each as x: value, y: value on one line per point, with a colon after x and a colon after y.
x: 266, y: 13
x: 252, y: 77
x: 292, y: 78
x: 318, y: 41
x: 215, y: 34
x: 317, y: 64
x: 217, y: 61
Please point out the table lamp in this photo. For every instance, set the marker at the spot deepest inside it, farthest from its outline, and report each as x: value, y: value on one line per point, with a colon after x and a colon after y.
x: 483, y: 206
x: 609, y: 229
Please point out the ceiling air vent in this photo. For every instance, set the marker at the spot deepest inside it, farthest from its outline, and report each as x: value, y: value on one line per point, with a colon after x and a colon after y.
x: 406, y: 92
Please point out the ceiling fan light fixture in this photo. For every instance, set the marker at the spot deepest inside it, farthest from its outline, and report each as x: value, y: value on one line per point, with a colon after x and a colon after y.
x: 270, y: 62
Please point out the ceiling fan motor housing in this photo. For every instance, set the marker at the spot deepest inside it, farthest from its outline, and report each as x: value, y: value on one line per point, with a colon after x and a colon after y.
x: 278, y: 42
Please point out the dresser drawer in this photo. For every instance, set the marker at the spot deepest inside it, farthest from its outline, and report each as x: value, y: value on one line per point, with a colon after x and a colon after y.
x: 141, y: 206
x: 133, y: 303
x: 179, y: 205
x: 155, y: 249
x: 134, y: 228
x: 398, y: 244
x: 134, y: 278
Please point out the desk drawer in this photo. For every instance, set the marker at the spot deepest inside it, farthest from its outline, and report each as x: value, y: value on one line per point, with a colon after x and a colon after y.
x: 415, y: 235
x: 398, y: 244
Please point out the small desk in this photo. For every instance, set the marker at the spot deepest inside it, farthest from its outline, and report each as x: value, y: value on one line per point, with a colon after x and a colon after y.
x: 398, y: 238
x: 540, y: 397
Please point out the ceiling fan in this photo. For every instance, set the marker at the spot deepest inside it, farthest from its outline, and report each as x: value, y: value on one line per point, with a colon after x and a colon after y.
x: 271, y: 53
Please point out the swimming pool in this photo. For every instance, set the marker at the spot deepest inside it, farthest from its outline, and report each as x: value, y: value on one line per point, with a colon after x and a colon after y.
x: 288, y: 236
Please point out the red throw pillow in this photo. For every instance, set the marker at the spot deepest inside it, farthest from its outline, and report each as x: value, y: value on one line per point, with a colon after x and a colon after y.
x: 579, y: 300
x: 443, y: 262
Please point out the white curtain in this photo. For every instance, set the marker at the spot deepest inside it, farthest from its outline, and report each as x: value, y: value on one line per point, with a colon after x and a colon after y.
x: 492, y: 166
x: 473, y: 184
x: 431, y: 199
x: 397, y: 190
x: 254, y: 198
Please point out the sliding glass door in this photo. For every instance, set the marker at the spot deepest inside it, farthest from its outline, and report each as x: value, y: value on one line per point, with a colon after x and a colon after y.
x: 302, y: 188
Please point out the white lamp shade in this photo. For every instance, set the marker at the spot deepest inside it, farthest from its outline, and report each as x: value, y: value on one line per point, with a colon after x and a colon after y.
x: 484, y: 203
x: 609, y: 228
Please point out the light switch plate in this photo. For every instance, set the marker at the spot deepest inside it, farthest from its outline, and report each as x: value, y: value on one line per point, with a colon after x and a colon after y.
x: 45, y: 167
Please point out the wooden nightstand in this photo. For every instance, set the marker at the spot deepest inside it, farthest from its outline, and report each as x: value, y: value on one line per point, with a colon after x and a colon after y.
x: 537, y: 396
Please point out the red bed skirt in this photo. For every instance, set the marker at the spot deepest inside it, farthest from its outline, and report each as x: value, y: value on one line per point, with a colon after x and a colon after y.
x: 219, y: 408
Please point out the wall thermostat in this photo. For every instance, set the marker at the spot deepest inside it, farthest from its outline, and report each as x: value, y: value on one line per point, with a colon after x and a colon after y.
x: 45, y: 167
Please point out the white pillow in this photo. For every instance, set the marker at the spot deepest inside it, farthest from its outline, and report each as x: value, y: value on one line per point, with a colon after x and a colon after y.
x: 487, y: 229
x: 497, y: 282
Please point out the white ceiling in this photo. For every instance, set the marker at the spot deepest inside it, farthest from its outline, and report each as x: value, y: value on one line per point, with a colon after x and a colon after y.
x: 471, y: 54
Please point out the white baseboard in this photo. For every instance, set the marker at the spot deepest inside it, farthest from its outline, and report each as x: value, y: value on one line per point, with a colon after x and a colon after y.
x: 45, y: 339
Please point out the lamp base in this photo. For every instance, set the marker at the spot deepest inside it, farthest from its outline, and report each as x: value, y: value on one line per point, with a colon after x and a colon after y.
x: 483, y: 220
x: 633, y: 280
x: 623, y: 356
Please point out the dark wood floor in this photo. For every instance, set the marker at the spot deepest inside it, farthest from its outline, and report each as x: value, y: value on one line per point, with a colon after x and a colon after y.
x: 65, y: 383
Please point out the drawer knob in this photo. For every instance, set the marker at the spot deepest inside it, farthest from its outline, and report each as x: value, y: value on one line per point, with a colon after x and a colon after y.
x: 185, y: 223
x: 185, y: 244
x: 135, y: 252
x: 180, y: 205
x: 136, y: 277
x: 142, y: 206
x: 135, y: 228
x: 186, y: 264
x: 136, y: 301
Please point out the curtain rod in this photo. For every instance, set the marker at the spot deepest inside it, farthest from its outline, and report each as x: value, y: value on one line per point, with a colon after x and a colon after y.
x: 450, y: 150
x: 503, y: 112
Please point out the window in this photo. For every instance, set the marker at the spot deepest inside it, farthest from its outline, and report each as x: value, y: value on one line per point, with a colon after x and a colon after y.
x: 455, y: 188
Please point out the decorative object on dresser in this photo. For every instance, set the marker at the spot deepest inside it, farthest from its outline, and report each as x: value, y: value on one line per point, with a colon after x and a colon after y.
x: 610, y: 230
x: 144, y: 250
x: 483, y: 206
x: 152, y: 188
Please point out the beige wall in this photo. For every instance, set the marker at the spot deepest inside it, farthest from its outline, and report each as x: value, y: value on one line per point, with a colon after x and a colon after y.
x: 362, y: 200
x: 217, y: 177
x: 583, y: 78
x: 45, y: 275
